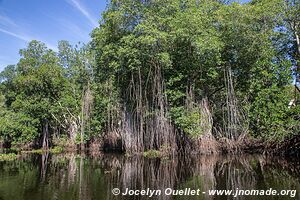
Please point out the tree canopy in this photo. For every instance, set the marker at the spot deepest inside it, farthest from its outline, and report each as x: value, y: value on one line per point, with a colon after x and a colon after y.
x: 160, y: 75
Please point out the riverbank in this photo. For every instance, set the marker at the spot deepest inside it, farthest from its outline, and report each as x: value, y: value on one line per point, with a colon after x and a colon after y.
x: 290, y: 147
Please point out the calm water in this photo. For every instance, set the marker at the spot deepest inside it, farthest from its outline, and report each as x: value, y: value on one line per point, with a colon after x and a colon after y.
x: 83, y: 176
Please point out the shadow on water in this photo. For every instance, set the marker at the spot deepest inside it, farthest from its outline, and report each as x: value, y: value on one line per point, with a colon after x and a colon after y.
x: 85, y: 176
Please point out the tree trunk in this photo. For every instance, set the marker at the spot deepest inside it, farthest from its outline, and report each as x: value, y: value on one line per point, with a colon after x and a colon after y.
x: 82, y: 125
x: 233, y: 124
x: 45, y: 141
x: 86, y: 108
x: 298, y: 43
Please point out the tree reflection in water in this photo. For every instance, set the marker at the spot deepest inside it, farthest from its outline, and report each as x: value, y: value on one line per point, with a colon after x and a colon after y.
x: 85, y: 176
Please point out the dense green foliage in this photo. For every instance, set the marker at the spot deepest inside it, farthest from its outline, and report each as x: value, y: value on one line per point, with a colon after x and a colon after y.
x: 205, y: 67
x: 8, y: 157
x: 44, y: 91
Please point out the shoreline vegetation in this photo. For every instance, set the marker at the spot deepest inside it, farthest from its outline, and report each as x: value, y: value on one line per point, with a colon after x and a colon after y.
x: 288, y: 148
x: 162, y: 78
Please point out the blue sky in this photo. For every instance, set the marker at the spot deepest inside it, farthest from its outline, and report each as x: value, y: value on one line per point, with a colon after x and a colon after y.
x: 46, y: 20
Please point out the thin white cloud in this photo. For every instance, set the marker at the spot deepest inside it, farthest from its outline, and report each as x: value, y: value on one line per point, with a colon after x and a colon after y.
x: 21, y: 37
x: 76, y: 4
x: 26, y: 38
x: 66, y: 25
x: 6, y: 21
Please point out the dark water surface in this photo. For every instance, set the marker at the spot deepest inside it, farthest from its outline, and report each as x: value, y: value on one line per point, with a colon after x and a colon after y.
x: 87, y: 176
